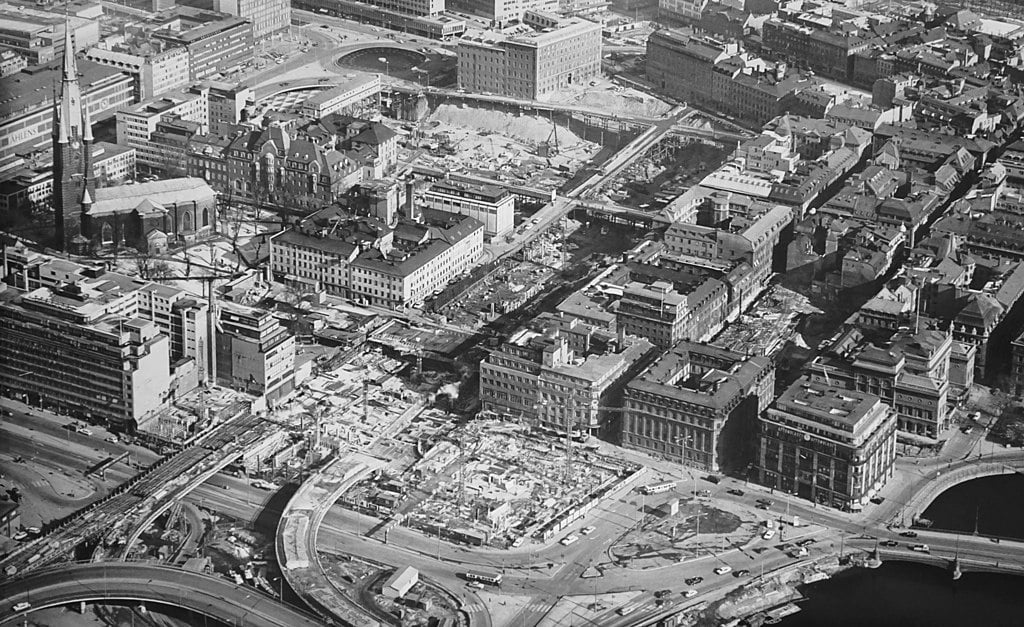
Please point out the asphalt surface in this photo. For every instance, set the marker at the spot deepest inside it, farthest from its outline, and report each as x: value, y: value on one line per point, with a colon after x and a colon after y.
x: 212, y: 596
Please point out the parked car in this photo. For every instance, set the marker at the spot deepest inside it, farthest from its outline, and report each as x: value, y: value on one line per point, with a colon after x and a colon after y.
x: 889, y: 543
x: 693, y: 581
x: 735, y: 492
x: 768, y: 534
x: 723, y: 570
x: 921, y: 548
x: 741, y: 573
x: 689, y: 594
x: 909, y: 534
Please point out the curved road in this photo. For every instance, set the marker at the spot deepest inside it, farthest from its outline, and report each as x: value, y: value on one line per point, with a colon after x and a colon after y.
x: 212, y: 596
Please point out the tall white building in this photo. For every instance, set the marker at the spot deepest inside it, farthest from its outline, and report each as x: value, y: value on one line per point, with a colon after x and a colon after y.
x: 490, y: 204
x: 136, y: 124
x: 268, y: 17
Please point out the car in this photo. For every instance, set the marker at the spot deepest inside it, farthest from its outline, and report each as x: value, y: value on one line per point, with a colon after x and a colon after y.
x: 741, y: 573
x: 767, y: 502
x: 33, y: 530
x: 518, y: 542
x: 806, y: 542
x: 475, y: 584
x: 21, y: 535
x: 570, y: 539
x: 889, y: 543
x: 693, y: 581
x: 21, y: 607
x: 85, y: 431
x: 662, y: 593
x: 769, y: 524
x: 735, y: 492
x: 689, y: 594
x: 723, y: 570
x: 704, y: 493
x: 909, y: 534
x: 712, y: 479
x: 588, y: 530
x: 768, y: 534
x: 799, y: 552
x: 112, y: 439
x: 921, y: 548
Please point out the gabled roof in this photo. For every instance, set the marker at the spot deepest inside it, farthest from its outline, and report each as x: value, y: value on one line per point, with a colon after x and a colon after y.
x: 376, y: 135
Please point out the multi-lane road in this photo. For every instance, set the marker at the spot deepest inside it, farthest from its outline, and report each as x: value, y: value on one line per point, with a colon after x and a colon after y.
x: 211, y: 596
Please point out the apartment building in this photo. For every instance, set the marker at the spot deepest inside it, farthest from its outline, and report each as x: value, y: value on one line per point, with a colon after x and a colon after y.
x: 557, y: 373
x: 136, y: 124
x: 492, y: 205
x: 82, y: 349
x: 697, y: 405
x: 563, y: 52
x: 255, y: 352
x: 830, y: 446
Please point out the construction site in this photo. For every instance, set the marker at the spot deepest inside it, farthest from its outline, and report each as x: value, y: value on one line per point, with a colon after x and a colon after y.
x: 493, y: 483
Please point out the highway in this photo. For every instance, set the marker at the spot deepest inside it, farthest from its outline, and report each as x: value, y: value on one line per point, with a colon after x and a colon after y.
x: 211, y: 596
x: 125, y: 512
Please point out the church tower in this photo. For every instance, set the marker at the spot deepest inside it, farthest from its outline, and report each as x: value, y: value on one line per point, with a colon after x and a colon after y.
x: 73, y: 180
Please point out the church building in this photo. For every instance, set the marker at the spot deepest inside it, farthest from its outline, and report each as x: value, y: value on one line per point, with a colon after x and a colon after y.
x: 145, y: 216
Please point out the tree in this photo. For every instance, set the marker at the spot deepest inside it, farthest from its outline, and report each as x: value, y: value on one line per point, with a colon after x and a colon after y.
x: 151, y: 268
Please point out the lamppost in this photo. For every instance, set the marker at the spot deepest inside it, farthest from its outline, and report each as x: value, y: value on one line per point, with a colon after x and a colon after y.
x: 387, y: 66
x: 426, y: 75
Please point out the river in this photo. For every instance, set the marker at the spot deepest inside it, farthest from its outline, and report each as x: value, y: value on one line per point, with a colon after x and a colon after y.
x: 907, y: 594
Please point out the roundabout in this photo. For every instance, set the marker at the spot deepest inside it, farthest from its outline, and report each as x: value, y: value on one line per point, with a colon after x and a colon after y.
x: 402, y: 63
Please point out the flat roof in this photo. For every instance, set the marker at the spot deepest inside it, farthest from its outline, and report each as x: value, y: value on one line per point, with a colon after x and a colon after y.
x: 25, y: 91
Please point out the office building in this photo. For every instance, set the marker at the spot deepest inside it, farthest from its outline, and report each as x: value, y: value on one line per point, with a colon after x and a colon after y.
x: 81, y: 349
x: 268, y: 17
x: 348, y: 94
x: 492, y: 205
x: 255, y: 352
x: 698, y: 405
x: 136, y: 124
x: 827, y: 445
x: 379, y: 259
x: 216, y: 42
x: 654, y: 311
x: 501, y: 12
x: 26, y: 112
x: 157, y: 68
x: 37, y: 35
x: 562, y: 53
x: 226, y: 105
x: 411, y: 7
x: 558, y: 374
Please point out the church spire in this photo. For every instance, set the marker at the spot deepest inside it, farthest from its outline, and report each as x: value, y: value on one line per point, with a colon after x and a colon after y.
x: 69, y: 116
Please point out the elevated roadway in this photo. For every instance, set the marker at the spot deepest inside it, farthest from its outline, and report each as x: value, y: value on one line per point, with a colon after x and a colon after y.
x: 125, y: 581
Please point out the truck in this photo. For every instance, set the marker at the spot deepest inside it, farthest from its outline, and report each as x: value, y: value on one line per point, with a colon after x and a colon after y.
x: 793, y: 520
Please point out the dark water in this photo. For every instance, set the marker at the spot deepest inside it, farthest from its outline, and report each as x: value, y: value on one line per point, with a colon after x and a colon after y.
x: 904, y: 594
x: 996, y: 503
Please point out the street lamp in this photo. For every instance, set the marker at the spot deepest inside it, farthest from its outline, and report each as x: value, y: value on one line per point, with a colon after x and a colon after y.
x: 426, y: 74
x: 387, y: 66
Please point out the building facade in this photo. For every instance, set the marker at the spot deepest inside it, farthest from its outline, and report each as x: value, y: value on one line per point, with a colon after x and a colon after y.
x: 155, y: 73
x: 216, y: 42
x: 80, y: 349
x: 697, y: 405
x: 268, y: 17
x: 827, y: 445
x: 528, y: 66
x: 136, y: 124
x: 491, y: 205
x: 557, y: 374
x: 655, y: 312
x: 255, y: 352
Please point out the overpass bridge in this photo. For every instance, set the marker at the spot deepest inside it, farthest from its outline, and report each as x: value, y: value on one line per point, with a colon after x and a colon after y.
x: 131, y: 507
x: 210, y: 596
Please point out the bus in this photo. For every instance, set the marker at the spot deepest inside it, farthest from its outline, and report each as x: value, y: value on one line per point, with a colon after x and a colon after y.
x: 491, y: 579
x: 656, y: 488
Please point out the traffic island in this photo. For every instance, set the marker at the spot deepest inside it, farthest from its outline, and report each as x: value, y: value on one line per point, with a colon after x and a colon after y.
x: 678, y: 531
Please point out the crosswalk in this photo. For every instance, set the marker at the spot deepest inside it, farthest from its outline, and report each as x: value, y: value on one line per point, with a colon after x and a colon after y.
x: 475, y: 608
